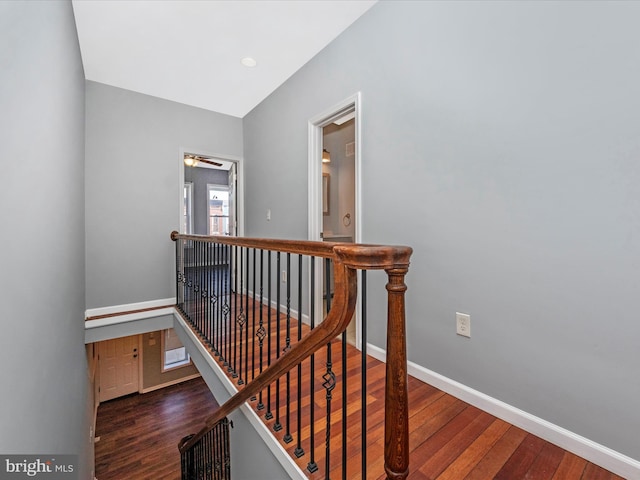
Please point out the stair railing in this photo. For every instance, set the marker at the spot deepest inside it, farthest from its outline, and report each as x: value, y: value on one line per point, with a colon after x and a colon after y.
x: 220, y: 293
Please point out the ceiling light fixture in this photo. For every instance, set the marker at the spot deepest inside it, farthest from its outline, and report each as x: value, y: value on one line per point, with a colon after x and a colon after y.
x: 249, y: 62
x: 190, y: 161
x: 326, y: 156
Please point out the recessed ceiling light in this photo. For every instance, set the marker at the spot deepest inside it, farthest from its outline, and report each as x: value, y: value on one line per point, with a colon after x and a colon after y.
x: 249, y: 62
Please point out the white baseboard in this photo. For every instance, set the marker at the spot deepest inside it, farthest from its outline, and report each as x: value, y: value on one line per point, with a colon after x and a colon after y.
x: 603, y: 456
x: 283, y: 308
x: 161, y: 302
x: 168, y: 384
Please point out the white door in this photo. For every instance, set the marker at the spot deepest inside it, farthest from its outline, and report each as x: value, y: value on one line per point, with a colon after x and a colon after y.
x: 118, y: 367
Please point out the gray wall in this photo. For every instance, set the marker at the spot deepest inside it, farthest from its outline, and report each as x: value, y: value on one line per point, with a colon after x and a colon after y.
x: 44, y: 407
x: 133, y: 146
x: 506, y: 134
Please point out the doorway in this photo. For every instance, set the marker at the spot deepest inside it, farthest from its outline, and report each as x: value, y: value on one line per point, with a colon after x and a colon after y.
x: 211, y: 200
x: 334, y: 168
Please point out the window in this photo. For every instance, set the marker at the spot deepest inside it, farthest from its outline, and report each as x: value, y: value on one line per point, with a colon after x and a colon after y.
x: 218, y: 196
x: 187, y: 214
x: 174, y: 354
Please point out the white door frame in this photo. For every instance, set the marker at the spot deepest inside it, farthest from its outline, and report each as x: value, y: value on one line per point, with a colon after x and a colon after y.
x: 240, y: 183
x: 315, y: 128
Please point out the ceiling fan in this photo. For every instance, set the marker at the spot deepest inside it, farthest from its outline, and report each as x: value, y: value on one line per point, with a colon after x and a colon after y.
x: 193, y: 160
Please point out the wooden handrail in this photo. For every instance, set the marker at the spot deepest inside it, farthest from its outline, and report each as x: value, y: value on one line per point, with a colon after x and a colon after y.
x: 347, y: 259
x: 355, y: 255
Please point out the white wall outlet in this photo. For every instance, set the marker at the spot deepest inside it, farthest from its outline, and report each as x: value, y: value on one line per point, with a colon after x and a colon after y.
x: 284, y: 276
x: 463, y: 324
x: 268, y: 214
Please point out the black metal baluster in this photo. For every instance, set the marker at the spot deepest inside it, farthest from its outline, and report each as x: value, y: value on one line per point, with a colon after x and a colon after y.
x: 312, y: 466
x: 253, y: 321
x: 298, y: 452
x: 206, y: 291
x: 192, y: 282
x: 287, y: 437
x: 219, y: 306
x: 234, y: 310
x: 184, y: 273
x: 246, y: 310
x: 200, y: 456
x: 196, y: 285
x: 261, y: 333
x: 196, y: 288
x: 329, y: 377
x: 241, y: 318
x: 277, y: 426
x: 209, y: 446
x: 222, y: 301
x: 222, y: 255
x: 344, y: 405
x: 178, y: 244
x: 218, y: 456
x: 185, y: 283
x: 203, y: 263
x: 227, y: 307
x: 214, y: 298
x: 201, y: 287
x: 189, y: 283
x: 363, y: 339
x: 269, y: 414
x: 213, y: 294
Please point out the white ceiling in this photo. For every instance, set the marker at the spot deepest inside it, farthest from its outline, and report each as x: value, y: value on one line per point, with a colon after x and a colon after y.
x: 190, y: 51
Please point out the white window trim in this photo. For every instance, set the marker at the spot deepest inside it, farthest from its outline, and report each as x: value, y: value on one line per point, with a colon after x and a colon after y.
x: 167, y: 368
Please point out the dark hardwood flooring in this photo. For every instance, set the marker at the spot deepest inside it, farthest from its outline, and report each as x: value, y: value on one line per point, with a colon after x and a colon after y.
x: 139, y: 433
x: 449, y: 439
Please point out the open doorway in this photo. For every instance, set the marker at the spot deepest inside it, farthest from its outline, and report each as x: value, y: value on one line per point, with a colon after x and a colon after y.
x: 334, y: 187
x: 210, y: 201
x: 338, y: 181
x: 339, y: 189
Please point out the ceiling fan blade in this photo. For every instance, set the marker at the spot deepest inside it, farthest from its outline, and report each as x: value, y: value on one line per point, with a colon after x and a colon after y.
x: 191, y: 159
x: 210, y: 162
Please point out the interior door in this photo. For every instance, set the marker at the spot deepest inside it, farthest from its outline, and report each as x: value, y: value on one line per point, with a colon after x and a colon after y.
x: 118, y: 367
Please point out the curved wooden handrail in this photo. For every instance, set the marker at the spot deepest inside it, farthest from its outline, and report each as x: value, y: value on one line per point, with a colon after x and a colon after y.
x: 347, y: 259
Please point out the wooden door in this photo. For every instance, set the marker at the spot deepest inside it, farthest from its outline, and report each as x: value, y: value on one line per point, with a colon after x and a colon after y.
x: 118, y: 367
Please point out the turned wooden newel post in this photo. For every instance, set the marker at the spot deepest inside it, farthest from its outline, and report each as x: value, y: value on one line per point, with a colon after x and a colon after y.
x: 396, y: 431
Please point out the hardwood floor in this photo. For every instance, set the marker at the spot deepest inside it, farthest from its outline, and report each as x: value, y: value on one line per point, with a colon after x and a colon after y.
x: 139, y: 433
x: 449, y: 439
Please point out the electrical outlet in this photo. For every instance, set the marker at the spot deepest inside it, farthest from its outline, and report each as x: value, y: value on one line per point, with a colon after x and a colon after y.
x: 463, y: 324
x: 268, y: 214
x: 284, y: 276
